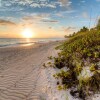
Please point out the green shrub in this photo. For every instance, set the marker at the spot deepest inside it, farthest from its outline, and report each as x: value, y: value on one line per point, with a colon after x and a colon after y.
x: 79, y: 51
x: 60, y: 87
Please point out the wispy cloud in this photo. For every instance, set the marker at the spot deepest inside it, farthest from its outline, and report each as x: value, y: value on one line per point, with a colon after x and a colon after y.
x: 36, y: 16
x: 85, y: 15
x: 42, y: 17
x: 65, y: 2
x: 62, y: 14
x: 6, y: 22
x: 41, y: 5
x: 39, y: 18
x: 67, y: 29
x: 14, y: 9
x: 50, y: 21
x: 83, y: 1
x: 36, y: 3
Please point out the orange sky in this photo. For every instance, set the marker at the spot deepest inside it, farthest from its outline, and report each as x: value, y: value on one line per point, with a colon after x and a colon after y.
x: 8, y: 30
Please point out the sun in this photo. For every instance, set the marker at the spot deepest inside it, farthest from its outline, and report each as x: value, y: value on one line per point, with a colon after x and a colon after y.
x: 27, y: 33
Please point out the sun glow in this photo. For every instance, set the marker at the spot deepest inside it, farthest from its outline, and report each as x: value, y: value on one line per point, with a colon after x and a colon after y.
x: 27, y: 33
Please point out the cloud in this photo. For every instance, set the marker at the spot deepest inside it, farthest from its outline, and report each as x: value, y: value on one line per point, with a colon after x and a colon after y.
x: 62, y: 14
x: 65, y: 2
x: 68, y: 28
x: 36, y: 3
x: 65, y: 30
x: 6, y: 22
x: 14, y: 9
x: 50, y: 27
x: 36, y: 16
x: 12, y: 19
x: 45, y: 4
x: 39, y: 18
x: 83, y: 1
x: 31, y: 3
x: 50, y: 21
x: 85, y: 15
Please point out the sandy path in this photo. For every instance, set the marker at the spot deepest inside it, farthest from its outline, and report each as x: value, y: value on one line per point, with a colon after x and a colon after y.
x: 20, y: 72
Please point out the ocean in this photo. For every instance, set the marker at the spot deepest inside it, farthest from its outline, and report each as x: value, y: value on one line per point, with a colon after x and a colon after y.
x: 6, y: 42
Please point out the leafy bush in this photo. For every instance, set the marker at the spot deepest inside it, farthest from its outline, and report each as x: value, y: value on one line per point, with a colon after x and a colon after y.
x: 78, y: 52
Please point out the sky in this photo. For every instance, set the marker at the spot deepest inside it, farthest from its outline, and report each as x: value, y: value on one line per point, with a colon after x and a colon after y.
x: 46, y: 18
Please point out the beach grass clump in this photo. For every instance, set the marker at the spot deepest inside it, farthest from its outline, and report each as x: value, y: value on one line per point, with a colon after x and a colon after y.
x: 59, y: 62
x: 44, y: 65
x: 50, y: 58
x: 81, y: 55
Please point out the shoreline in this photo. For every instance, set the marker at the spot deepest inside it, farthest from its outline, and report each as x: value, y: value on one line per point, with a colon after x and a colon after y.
x: 28, y: 44
x: 25, y: 42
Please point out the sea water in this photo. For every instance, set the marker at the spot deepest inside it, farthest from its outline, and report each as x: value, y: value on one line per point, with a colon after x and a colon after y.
x: 6, y: 42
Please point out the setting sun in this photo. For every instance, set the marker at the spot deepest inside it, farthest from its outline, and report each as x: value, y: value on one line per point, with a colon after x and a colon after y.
x: 27, y: 33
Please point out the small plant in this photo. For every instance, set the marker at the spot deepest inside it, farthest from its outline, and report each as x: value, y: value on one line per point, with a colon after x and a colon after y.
x: 50, y: 58
x: 44, y: 65
x: 58, y: 83
x: 49, y: 63
x: 64, y: 87
x: 96, y: 54
x: 94, y: 82
x: 94, y: 67
x: 60, y: 87
x: 78, y: 68
x: 59, y: 62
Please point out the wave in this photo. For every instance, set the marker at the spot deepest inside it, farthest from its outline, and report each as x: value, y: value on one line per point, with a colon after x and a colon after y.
x: 15, y: 44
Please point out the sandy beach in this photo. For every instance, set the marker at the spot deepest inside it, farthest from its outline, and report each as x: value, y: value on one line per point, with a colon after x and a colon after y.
x: 22, y: 76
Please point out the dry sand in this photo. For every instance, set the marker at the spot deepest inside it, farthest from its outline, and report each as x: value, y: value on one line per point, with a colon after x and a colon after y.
x: 22, y: 76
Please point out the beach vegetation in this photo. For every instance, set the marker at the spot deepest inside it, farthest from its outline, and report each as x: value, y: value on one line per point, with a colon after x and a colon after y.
x: 50, y: 58
x: 44, y: 65
x: 60, y: 87
x: 80, y: 53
